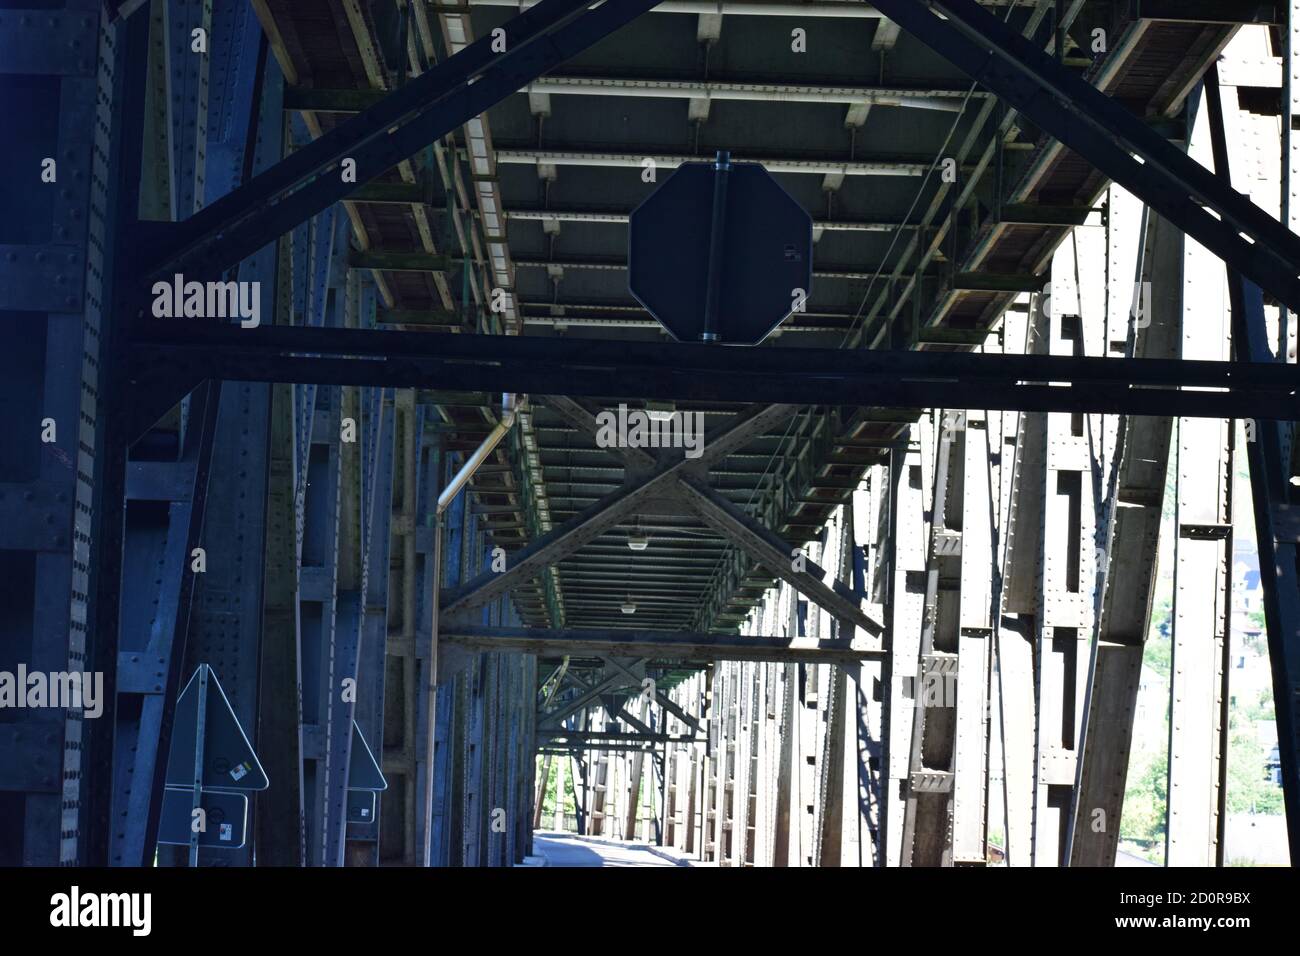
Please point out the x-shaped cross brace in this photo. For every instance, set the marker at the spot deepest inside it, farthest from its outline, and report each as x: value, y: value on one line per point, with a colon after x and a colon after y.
x: 683, y: 478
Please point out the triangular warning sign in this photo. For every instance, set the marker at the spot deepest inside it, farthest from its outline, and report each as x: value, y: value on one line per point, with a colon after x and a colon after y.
x: 229, y: 762
x: 363, y: 770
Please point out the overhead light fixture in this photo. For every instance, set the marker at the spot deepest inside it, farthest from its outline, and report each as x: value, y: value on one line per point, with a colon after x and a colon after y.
x: 629, y: 606
x: 661, y: 411
x: 637, y: 539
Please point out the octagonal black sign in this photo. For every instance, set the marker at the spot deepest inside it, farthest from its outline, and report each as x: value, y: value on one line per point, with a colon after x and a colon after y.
x: 764, y: 258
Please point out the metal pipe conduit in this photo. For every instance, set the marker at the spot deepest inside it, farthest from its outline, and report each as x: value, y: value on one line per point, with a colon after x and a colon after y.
x: 775, y: 165
x: 946, y: 100
x: 509, y: 409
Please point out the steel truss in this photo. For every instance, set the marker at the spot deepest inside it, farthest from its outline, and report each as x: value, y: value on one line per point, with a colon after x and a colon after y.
x: 452, y: 787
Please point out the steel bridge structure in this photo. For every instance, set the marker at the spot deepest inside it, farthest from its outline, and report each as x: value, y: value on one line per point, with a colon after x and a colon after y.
x: 894, y: 612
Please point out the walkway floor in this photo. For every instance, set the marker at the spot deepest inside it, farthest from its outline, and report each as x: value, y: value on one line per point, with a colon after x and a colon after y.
x: 567, y: 849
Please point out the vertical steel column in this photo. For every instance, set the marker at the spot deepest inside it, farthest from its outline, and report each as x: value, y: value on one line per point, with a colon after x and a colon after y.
x: 503, y: 806
x: 765, y: 768
x: 785, y: 846
x: 1202, y: 602
x: 1021, y: 563
x: 306, y: 260
x: 398, y: 841
x: 423, y: 673
x: 742, y: 786
x: 699, y: 795
x: 974, y: 643
x: 753, y: 721
x: 599, y: 781
x: 363, y: 838
x: 810, y: 694
x: 318, y: 582
x: 828, y: 846
x: 525, y: 751
x: 113, y: 213
x: 291, y: 669
x: 634, y: 780
x: 672, y: 772
x: 187, y: 73
x: 475, y: 798
x: 494, y: 698
x: 619, y: 765
x: 558, y: 823
x: 167, y: 498
x: 724, y: 760
x: 519, y: 777
x: 447, y: 770
x: 227, y: 628
x: 363, y: 408
x: 443, y: 773
x: 542, y: 783
x: 659, y: 810
x: 578, y: 774
x: 456, y: 786
x: 1135, y: 502
x: 1075, y: 448
x: 349, y: 610
x: 317, y: 610
x: 867, y: 519
x: 1289, y: 325
x: 927, y: 814
x: 906, y: 608
x: 161, y: 166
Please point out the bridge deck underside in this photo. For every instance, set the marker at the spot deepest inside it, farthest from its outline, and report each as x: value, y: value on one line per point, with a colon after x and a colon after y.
x: 567, y: 168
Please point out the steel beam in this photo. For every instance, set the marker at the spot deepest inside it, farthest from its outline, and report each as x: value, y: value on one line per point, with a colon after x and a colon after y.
x: 1208, y: 11
x: 669, y: 645
x: 590, y: 367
